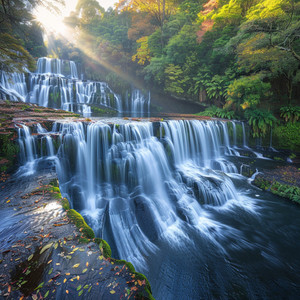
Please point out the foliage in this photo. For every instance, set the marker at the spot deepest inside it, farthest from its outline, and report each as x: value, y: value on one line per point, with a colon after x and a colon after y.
x: 241, y: 53
x: 247, y: 92
x: 214, y: 111
x: 260, y: 121
x: 20, y: 36
x: 287, y: 136
x: 287, y: 191
x: 174, y: 80
x: 290, y: 113
x: 143, y: 53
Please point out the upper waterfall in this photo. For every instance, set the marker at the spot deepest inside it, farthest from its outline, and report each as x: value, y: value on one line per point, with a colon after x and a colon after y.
x: 57, y: 84
x: 55, y: 66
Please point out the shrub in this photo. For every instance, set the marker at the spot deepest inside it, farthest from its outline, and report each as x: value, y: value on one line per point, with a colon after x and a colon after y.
x: 287, y: 136
x: 260, y: 121
x: 290, y: 113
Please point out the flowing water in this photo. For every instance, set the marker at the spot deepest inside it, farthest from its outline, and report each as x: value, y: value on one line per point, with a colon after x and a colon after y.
x: 56, y: 84
x: 168, y: 198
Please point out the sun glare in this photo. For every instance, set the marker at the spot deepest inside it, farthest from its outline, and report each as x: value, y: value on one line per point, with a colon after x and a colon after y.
x: 50, y: 21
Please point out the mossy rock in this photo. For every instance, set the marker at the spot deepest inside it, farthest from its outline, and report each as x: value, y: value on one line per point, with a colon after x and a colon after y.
x: 65, y: 204
x: 79, y: 221
x: 124, y: 262
x: 104, y: 247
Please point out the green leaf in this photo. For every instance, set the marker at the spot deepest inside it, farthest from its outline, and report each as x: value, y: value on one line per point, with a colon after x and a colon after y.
x: 30, y: 257
x: 46, y: 247
x: 40, y: 286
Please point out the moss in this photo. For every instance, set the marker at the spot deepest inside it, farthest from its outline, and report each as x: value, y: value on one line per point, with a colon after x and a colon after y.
x: 8, y: 150
x: 65, y: 204
x: 138, y: 276
x: 102, y: 111
x: 104, y: 247
x: 79, y: 221
x: 124, y: 262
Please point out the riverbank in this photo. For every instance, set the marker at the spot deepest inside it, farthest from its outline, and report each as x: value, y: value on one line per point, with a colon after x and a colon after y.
x: 283, y: 181
x: 43, y: 254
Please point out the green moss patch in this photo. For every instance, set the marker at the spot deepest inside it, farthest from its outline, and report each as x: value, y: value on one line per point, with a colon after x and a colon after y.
x: 8, y: 151
x: 80, y: 223
x: 284, y: 190
x: 104, y: 247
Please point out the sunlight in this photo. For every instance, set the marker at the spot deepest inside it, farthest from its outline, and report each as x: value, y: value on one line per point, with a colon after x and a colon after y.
x: 50, y: 21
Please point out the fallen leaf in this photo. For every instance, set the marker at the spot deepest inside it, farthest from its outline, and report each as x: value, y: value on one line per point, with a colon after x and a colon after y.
x: 46, y: 247
x: 79, y: 287
x: 30, y: 257
x: 76, y: 266
x: 112, y: 292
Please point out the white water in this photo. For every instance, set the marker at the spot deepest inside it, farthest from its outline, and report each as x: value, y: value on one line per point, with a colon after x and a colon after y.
x: 56, y: 84
x: 139, y: 183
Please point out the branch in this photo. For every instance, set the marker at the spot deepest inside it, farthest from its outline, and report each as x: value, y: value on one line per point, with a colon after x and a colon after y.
x: 297, y: 56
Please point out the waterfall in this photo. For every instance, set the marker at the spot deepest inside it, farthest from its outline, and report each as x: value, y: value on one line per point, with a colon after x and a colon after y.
x: 244, y: 136
x: 234, y: 133
x: 56, y: 84
x: 136, y: 183
x: 13, y: 86
x: 138, y: 104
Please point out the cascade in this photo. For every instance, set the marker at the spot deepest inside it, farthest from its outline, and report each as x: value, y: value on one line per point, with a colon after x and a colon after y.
x: 168, y: 198
x: 56, y: 84
x: 137, y: 183
x: 13, y: 86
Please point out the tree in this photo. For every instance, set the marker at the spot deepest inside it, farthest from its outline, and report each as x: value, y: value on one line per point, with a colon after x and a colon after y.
x: 143, y: 53
x: 18, y: 33
x: 175, y: 80
x: 247, y: 92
